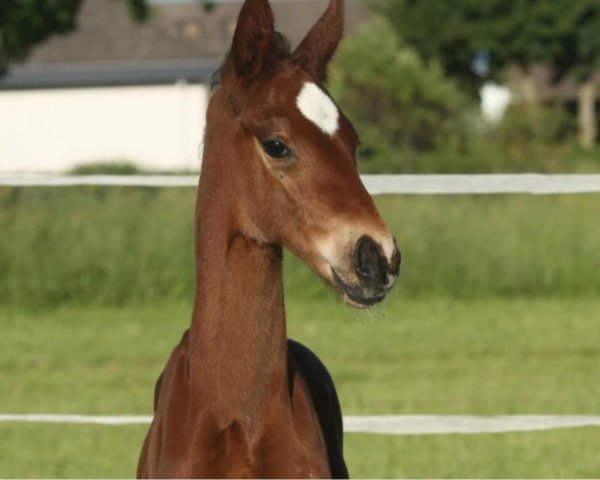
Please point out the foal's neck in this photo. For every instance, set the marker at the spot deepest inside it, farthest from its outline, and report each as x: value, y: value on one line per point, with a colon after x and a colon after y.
x: 238, y: 341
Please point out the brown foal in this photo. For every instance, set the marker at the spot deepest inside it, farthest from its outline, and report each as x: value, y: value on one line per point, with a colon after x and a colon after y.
x: 237, y: 399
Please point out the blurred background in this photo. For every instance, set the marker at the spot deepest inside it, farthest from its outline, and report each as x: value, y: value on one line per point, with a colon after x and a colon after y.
x: 498, y: 308
x: 453, y: 86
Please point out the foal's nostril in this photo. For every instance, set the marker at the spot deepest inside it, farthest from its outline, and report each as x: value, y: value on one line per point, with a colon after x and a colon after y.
x: 366, y: 258
x: 371, y: 265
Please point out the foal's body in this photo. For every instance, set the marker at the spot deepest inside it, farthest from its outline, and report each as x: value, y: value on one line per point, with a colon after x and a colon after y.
x: 237, y: 399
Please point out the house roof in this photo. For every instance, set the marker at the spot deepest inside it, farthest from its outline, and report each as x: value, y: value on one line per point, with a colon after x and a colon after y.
x: 180, y: 41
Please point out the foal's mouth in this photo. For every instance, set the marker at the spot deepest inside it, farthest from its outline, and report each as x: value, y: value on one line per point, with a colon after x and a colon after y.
x: 352, y: 295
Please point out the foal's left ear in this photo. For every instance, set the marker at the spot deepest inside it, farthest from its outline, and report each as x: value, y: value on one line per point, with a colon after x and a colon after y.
x: 252, y: 38
x: 316, y: 50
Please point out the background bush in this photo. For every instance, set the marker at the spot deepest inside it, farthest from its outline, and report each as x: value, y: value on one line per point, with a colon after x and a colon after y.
x: 401, y: 106
x: 412, y: 118
x: 118, y: 167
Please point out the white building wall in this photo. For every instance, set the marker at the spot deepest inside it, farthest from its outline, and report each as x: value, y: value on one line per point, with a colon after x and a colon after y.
x: 155, y: 127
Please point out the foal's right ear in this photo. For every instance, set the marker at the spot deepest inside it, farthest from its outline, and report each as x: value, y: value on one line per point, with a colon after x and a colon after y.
x: 252, y: 39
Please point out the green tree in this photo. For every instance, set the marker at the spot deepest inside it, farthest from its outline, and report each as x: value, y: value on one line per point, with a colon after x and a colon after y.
x: 560, y: 33
x: 402, y: 106
x: 26, y: 23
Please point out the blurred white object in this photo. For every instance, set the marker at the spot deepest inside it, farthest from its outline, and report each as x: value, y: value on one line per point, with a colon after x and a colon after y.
x: 495, y: 99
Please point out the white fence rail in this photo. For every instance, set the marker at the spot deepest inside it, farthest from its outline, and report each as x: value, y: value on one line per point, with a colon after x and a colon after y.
x: 383, y: 424
x: 376, y: 184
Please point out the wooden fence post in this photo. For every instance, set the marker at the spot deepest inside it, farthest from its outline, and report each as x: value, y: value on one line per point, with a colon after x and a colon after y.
x: 586, y: 112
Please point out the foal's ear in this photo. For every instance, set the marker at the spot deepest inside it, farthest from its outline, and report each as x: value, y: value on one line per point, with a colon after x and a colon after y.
x: 319, y: 45
x: 252, y: 38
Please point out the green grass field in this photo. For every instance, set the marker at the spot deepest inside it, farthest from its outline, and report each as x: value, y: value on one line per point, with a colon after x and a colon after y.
x: 434, y: 355
x: 114, y: 246
x: 497, y: 312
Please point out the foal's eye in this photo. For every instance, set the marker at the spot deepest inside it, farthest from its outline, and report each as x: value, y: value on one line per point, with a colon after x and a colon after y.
x: 276, y: 149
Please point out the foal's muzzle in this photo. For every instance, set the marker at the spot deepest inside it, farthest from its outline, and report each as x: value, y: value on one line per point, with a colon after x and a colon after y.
x: 374, y: 271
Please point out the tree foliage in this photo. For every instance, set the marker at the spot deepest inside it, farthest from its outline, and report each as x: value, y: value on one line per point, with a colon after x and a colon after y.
x: 560, y: 33
x: 26, y: 23
x: 413, y: 118
x: 402, y: 105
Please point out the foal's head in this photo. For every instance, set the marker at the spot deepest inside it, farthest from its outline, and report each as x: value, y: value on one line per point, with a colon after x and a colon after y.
x: 293, y: 162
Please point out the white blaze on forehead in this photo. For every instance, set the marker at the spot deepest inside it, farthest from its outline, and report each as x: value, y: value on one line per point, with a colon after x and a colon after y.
x: 318, y: 108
